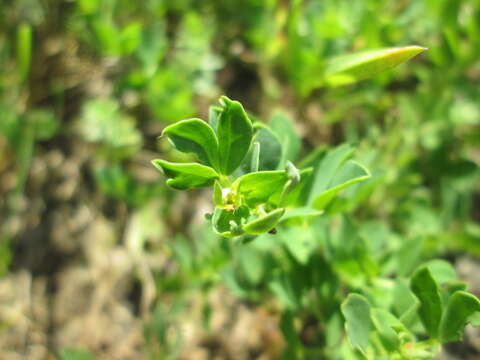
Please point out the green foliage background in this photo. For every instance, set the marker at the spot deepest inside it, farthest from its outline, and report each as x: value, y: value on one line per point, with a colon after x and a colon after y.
x: 86, y: 87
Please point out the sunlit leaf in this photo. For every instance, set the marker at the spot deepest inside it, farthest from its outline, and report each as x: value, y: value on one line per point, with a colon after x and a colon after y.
x: 347, y: 69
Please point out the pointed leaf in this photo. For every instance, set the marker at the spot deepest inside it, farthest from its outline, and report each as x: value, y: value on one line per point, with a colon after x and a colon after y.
x: 195, y: 136
x: 347, y: 69
x: 264, y: 223
x: 234, y: 135
x: 356, y: 311
x: 186, y: 175
x: 426, y: 289
x: 461, y: 306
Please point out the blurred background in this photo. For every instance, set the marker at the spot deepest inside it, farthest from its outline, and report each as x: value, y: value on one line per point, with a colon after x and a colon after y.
x: 99, y: 260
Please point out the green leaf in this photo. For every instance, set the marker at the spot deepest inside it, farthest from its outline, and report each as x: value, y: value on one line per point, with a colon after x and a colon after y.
x: 213, y: 116
x: 426, y: 289
x: 384, y: 323
x: 24, y: 50
x: 356, y: 311
x: 326, y: 166
x: 223, y: 220
x: 258, y: 187
x: 461, y: 306
x: 351, y: 68
x: 301, y: 213
x: 264, y: 223
x: 270, y: 151
x: 349, y: 174
x: 75, y: 354
x: 234, y: 135
x: 283, y: 127
x: 442, y: 271
x: 299, y: 241
x: 195, y: 136
x: 474, y: 319
x: 217, y: 194
x: 186, y: 175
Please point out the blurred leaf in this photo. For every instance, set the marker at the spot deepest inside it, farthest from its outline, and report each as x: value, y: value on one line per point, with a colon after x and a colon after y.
x: 5, y: 255
x: 426, y: 289
x: 349, y: 174
x: 326, y: 167
x: 460, y: 307
x: 44, y: 122
x: 442, y: 271
x: 347, y: 69
x: 270, y: 150
x: 474, y: 319
x: 283, y: 127
x: 384, y: 323
x: 170, y: 95
x: 24, y: 50
x: 358, y: 325
x: 186, y: 175
x: 252, y: 264
x: 301, y: 213
x: 408, y: 255
x: 104, y: 123
x: 195, y: 136
x: 299, y: 242
x: 131, y: 37
x: 76, y: 354
x: 234, y: 135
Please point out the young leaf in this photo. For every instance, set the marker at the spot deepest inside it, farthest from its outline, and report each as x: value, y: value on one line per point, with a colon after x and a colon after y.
x: 461, y: 306
x: 195, y: 136
x: 264, y: 223
x: 356, y: 311
x: 426, y: 289
x: 234, y: 135
x: 259, y: 186
x: 187, y: 175
x: 347, y: 69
